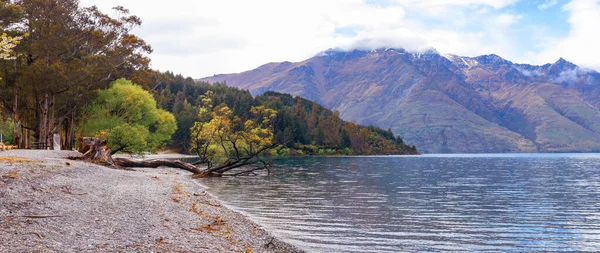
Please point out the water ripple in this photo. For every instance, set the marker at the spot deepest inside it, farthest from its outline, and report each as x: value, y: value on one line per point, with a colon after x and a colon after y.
x: 435, y: 203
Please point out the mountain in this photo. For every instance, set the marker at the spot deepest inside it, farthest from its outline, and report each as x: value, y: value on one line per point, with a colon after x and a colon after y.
x: 446, y: 103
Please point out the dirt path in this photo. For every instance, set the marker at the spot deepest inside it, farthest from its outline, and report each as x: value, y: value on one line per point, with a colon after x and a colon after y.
x: 50, y: 204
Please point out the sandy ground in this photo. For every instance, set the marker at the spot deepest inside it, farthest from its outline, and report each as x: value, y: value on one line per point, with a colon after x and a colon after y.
x: 51, y: 204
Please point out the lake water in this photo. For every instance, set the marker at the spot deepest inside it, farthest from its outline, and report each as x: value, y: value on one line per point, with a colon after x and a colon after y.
x: 436, y: 203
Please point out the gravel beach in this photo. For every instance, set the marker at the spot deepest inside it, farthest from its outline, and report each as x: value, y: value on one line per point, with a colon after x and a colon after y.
x: 51, y: 204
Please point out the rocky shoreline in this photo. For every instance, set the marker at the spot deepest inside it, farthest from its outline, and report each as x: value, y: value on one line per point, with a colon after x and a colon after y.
x: 51, y: 204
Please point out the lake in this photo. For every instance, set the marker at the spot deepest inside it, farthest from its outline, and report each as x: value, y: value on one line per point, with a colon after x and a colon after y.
x: 436, y: 203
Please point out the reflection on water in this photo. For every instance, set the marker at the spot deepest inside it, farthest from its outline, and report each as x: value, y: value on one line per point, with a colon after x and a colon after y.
x: 428, y: 203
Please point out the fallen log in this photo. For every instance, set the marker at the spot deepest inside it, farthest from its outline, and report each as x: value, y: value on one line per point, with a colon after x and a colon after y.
x: 97, y: 150
x: 124, y: 162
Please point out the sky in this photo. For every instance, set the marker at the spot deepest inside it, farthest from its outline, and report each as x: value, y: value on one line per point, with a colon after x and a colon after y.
x: 207, y: 37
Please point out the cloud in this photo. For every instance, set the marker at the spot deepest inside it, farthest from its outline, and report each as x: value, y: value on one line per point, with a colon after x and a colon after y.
x: 441, y: 7
x: 580, y: 45
x: 547, y: 4
x: 202, y: 38
x: 529, y: 73
x: 395, y: 38
x: 572, y: 75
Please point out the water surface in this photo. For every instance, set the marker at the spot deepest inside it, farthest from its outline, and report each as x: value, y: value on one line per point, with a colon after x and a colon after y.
x: 436, y: 203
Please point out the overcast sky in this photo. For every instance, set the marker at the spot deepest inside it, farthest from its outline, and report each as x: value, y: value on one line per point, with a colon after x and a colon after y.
x: 205, y: 37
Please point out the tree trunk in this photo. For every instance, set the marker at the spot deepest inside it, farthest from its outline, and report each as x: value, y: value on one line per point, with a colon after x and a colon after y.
x: 50, y: 126
x: 98, y: 151
x: 95, y: 149
x: 66, y: 132
x: 71, y: 136
x: 26, y: 136
x: 124, y: 162
x: 15, y: 119
x: 42, y: 115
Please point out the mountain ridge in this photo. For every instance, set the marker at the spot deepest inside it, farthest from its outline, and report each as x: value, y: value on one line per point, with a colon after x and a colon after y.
x: 446, y: 103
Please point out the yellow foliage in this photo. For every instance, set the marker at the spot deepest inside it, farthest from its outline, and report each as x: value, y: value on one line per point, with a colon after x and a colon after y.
x: 14, y: 159
x: 7, y: 43
x: 220, y: 137
x: 102, y: 134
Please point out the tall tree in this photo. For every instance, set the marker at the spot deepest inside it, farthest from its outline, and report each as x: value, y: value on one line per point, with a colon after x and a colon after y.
x: 10, y: 15
x: 70, y: 51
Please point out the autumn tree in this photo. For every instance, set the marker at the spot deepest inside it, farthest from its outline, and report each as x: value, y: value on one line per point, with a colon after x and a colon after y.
x: 126, y: 116
x: 225, y: 141
x: 7, y: 43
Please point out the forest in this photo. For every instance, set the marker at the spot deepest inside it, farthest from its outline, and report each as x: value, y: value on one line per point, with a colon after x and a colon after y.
x: 76, y: 72
x: 303, y: 127
x: 56, y: 55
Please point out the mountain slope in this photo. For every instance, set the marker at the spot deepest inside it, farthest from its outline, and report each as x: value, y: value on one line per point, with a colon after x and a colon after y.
x: 447, y: 104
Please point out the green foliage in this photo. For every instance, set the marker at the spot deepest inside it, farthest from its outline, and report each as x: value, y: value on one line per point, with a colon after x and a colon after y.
x: 127, y: 116
x: 164, y: 127
x: 129, y: 138
x: 283, y: 152
x: 6, y: 128
x: 347, y: 151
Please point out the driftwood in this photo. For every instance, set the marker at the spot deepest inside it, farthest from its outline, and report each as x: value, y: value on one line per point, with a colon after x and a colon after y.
x: 4, y: 147
x: 124, y: 162
x: 98, y: 150
x: 95, y: 149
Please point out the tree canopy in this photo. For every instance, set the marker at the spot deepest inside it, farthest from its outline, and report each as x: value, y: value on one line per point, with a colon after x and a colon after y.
x: 127, y: 117
x: 68, y: 53
x: 228, y: 141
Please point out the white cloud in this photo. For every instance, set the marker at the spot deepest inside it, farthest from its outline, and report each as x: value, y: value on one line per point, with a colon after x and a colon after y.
x: 202, y: 38
x: 397, y: 38
x: 547, y: 4
x: 581, y: 44
x: 441, y: 7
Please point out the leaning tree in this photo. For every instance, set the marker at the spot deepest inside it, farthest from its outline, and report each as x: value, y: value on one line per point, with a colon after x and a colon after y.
x: 225, y: 142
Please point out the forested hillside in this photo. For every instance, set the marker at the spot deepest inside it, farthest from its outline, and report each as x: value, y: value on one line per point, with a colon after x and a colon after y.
x: 302, y: 126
